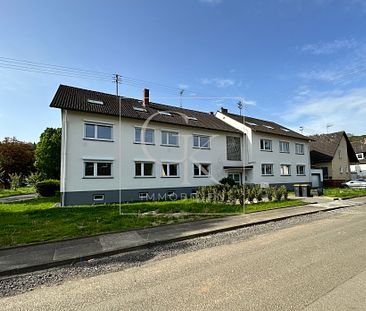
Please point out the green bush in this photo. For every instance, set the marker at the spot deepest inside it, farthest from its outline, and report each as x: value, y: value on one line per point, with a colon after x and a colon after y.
x: 227, y: 181
x: 278, y: 194
x: 15, y: 180
x: 48, y: 188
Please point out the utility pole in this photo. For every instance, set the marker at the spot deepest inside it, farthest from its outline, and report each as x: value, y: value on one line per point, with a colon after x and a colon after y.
x: 240, y: 106
x: 180, y: 98
x: 117, y: 80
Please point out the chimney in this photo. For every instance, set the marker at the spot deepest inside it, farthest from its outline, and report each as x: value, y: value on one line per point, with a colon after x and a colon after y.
x: 223, y: 110
x: 146, y: 97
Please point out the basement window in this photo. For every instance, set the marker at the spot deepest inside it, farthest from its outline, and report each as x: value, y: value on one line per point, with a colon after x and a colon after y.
x: 93, y: 101
x: 98, y: 197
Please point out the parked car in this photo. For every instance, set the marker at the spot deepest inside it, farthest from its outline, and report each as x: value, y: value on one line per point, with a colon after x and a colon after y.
x: 357, y: 184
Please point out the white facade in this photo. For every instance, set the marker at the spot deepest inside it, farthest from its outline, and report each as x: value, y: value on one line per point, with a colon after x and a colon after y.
x: 123, y: 152
x: 255, y: 157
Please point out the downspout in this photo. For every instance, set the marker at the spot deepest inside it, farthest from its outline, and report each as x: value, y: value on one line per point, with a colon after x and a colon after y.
x: 63, y: 161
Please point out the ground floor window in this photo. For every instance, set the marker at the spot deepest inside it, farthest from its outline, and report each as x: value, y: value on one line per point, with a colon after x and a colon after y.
x: 201, y: 169
x: 236, y: 177
x: 170, y: 170
x: 267, y: 169
x: 97, y: 169
x: 144, y: 169
x: 300, y: 170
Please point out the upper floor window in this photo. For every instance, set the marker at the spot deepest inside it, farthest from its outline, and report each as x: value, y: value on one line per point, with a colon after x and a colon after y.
x: 97, y: 169
x: 169, y: 138
x: 233, y: 148
x: 144, y: 136
x: 267, y: 169
x: 266, y: 144
x: 97, y: 131
x: 284, y: 146
x: 299, y: 148
x: 360, y: 155
x: 285, y: 170
x: 341, y: 169
x: 201, y: 141
x: 144, y: 169
x: 340, y: 154
x: 201, y: 170
x: 300, y: 170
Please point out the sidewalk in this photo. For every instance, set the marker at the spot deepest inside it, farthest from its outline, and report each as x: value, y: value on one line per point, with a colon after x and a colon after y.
x: 15, y: 198
x: 41, y: 256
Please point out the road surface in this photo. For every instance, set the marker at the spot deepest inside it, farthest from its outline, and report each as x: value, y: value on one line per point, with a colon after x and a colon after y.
x: 320, y: 265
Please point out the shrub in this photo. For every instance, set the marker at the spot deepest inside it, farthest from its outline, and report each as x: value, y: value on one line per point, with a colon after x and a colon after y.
x: 258, y: 193
x: 227, y: 181
x: 284, y: 192
x: 278, y: 194
x: 15, y: 180
x: 269, y: 192
x: 232, y: 195
x: 34, y: 178
x: 48, y: 188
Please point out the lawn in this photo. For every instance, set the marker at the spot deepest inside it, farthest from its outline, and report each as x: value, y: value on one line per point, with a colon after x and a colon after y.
x: 37, y: 220
x: 344, y: 192
x: 21, y: 190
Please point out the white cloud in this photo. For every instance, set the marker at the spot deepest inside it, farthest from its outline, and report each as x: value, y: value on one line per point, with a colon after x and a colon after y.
x: 218, y: 82
x: 321, y: 75
x: 346, y: 110
x: 329, y: 47
x: 211, y: 1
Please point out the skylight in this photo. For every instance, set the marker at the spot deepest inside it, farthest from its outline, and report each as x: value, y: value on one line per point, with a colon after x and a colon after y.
x: 97, y: 102
x: 192, y: 118
x: 139, y: 109
x: 268, y: 126
x: 286, y: 130
x: 165, y: 113
x: 250, y: 123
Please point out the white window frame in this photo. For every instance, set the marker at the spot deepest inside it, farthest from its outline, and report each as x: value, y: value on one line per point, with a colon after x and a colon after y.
x: 296, y: 149
x: 168, y: 170
x: 95, y: 169
x: 282, y: 143
x: 297, y: 170
x: 272, y: 169
x: 143, y: 169
x: 360, y: 156
x: 168, y: 133
x: 200, y: 175
x: 199, y: 136
x: 264, y: 140
x: 143, y: 136
x: 96, y: 124
x: 231, y: 175
x: 289, y: 169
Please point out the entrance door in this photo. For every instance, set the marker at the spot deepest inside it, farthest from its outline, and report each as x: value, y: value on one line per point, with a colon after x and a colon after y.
x: 236, y: 177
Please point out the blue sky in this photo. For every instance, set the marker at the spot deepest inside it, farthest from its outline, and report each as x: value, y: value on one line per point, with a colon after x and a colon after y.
x: 297, y: 62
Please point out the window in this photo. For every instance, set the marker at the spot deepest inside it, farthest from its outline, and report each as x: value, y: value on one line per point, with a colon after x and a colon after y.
x: 192, y: 118
x: 144, y: 169
x: 285, y: 170
x: 267, y: 169
x: 266, y: 144
x: 341, y: 169
x: 347, y: 170
x: 98, y: 197
x: 285, y: 130
x: 236, y: 177
x: 201, y: 141
x: 97, y: 131
x: 284, y: 146
x: 340, y: 154
x: 97, y: 102
x: 251, y: 123
x: 201, y: 170
x: 139, y: 109
x: 97, y: 169
x: 169, y: 138
x: 144, y: 136
x: 299, y: 148
x: 233, y: 148
x: 360, y: 155
x: 300, y: 170
x: 268, y: 126
x: 165, y: 113
x: 170, y: 170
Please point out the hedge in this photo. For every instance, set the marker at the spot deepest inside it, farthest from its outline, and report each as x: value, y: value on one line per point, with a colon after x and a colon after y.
x: 48, y: 188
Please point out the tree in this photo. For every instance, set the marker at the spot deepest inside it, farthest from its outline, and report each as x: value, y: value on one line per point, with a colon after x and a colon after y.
x: 16, y: 157
x: 48, y: 153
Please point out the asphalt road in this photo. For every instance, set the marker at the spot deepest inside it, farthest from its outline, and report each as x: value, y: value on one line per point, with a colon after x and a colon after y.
x: 319, y: 265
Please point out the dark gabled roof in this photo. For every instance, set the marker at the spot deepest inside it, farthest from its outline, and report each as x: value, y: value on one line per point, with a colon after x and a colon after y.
x: 73, y: 98
x: 324, y: 146
x: 264, y: 126
x: 359, y: 147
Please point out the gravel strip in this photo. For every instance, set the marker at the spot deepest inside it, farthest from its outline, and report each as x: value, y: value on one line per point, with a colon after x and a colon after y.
x: 26, y: 282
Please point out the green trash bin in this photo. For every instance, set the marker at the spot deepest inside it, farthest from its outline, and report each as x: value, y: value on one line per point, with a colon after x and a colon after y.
x: 298, y: 190
x: 305, y: 189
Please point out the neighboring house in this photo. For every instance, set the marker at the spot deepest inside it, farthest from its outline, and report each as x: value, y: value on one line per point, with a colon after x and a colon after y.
x: 359, y: 169
x: 124, y: 149
x: 333, y: 153
x: 273, y: 154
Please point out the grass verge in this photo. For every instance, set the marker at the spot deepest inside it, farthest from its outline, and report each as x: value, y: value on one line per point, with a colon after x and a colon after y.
x: 37, y: 220
x: 22, y: 190
x: 344, y: 192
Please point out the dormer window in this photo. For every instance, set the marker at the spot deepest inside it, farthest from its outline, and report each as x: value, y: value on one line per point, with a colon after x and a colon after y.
x: 139, y: 109
x: 192, y: 119
x: 165, y: 113
x: 96, y: 102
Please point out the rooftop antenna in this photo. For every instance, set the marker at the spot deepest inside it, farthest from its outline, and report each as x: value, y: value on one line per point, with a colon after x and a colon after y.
x: 328, y: 125
x: 301, y: 128
x: 240, y: 106
x: 117, y: 80
x: 180, y: 98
